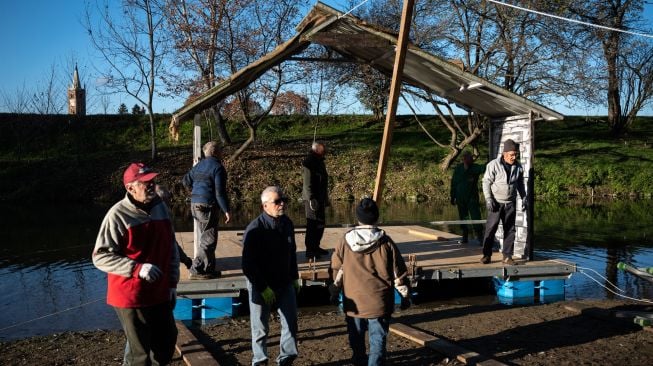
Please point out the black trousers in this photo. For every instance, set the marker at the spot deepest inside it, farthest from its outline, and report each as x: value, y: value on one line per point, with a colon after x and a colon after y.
x: 151, y: 334
x: 315, y: 221
x: 506, y: 214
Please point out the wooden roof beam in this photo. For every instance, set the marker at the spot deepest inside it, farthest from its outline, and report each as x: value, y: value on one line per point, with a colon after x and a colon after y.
x: 359, y: 40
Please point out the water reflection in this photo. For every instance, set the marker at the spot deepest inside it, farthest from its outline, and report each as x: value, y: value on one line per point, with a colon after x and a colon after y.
x: 45, y: 263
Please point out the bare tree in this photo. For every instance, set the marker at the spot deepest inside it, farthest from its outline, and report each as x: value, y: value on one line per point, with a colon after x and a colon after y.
x: 105, y: 103
x: 17, y: 101
x: 460, y: 135
x: 48, y: 96
x: 323, y: 80
x: 626, y: 59
x: 194, y: 27
x: 131, y: 42
x: 249, y: 34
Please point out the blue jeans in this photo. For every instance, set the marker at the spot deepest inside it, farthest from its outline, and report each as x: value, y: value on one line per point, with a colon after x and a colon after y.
x: 259, y: 315
x: 378, y: 328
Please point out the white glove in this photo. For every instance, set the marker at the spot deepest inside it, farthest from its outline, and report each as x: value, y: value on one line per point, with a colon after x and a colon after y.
x: 338, y: 280
x: 403, y: 290
x: 149, y: 272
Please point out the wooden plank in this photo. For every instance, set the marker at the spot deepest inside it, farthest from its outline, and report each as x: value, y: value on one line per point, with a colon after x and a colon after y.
x: 393, y: 98
x: 442, y: 346
x: 191, y: 350
x: 458, y: 222
x: 425, y: 235
x: 350, y: 39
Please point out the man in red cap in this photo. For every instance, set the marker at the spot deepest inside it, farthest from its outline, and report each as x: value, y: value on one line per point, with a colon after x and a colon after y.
x: 136, y: 247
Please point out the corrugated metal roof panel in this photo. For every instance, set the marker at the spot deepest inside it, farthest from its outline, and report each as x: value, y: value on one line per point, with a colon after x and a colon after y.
x: 369, y: 44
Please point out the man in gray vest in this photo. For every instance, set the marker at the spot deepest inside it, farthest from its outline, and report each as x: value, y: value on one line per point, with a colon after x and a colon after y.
x: 503, y: 179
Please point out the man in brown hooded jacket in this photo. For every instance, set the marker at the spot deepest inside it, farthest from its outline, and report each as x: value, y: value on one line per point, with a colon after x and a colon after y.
x: 368, y: 266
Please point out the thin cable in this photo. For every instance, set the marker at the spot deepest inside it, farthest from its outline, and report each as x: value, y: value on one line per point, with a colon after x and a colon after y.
x: 620, y: 295
x: 590, y: 269
x: 352, y: 9
x: 571, y: 20
x: 49, y: 315
x: 52, y: 250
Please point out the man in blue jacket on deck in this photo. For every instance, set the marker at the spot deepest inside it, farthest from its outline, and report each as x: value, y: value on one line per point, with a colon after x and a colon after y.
x: 208, y: 182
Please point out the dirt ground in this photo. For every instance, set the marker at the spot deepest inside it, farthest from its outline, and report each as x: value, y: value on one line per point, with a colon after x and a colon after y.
x: 519, y: 335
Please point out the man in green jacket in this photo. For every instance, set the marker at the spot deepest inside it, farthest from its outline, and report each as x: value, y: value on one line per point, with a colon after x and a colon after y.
x: 464, y: 194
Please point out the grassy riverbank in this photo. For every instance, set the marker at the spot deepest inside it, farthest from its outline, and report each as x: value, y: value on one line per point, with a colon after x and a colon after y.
x: 57, y: 159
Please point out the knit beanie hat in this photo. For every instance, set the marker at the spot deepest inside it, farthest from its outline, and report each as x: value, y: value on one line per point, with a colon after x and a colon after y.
x: 510, y: 145
x: 367, y: 211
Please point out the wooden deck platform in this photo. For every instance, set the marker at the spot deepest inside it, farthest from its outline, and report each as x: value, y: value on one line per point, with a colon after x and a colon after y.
x: 430, y: 255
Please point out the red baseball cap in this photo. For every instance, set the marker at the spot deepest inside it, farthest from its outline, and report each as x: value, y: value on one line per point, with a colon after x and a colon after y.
x: 138, y: 171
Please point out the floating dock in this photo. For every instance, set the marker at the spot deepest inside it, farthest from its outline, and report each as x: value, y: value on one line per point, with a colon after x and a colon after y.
x: 429, y: 254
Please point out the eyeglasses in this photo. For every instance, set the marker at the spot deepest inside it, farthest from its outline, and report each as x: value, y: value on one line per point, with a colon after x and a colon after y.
x: 278, y: 201
x: 144, y: 170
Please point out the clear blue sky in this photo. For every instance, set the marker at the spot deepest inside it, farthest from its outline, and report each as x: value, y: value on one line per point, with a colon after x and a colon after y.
x: 35, y: 34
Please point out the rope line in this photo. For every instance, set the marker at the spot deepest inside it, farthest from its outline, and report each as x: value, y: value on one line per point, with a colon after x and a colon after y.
x: 615, y: 293
x: 49, y: 315
x: 571, y: 20
x: 352, y: 9
x: 582, y: 271
x: 592, y: 270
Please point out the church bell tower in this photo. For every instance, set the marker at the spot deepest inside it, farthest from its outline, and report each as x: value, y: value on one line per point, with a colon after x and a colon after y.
x: 76, y: 97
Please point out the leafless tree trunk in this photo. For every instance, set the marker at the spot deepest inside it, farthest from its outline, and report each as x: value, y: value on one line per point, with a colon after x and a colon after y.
x: 133, y: 47
x: 105, y: 102
x: 625, y: 59
x: 460, y: 137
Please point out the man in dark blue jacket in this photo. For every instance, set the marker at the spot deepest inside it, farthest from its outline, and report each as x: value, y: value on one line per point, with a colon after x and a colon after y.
x: 270, y: 265
x: 208, y: 182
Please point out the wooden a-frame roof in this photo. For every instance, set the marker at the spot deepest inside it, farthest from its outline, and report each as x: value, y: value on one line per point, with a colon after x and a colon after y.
x: 357, y: 40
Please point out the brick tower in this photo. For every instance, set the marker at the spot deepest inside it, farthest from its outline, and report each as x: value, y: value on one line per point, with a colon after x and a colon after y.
x: 76, y: 97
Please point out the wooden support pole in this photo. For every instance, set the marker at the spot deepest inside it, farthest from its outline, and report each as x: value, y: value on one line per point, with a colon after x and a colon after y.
x: 197, y: 155
x: 393, y: 99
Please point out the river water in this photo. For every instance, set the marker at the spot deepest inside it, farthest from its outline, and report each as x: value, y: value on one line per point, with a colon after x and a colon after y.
x: 49, y: 285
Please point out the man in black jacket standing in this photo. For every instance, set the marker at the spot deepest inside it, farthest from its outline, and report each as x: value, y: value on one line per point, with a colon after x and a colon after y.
x: 316, y: 197
x: 270, y: 264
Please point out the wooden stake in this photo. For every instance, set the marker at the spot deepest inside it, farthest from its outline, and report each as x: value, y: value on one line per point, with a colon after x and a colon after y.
x: 395, y: 89
x: 197, y: 155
